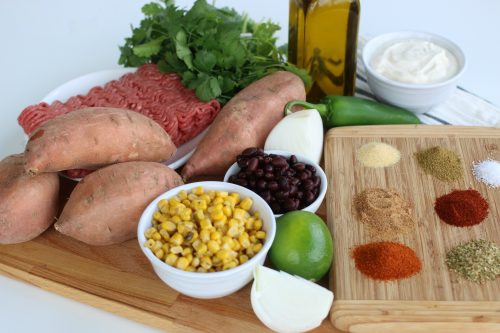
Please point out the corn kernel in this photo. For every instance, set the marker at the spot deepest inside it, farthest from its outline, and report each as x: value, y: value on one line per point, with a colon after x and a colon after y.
x: 257, y: 225
x: 233, y: 231
x: 182, y: 194
x: 201, y: 270
x: 222, y: 254
x: 229, y: 265
x: 157, y: 246
x: 199, y: 215
x: 246, y: 204
x: 181, y: 228
x: 236, y: 246
x: 205, y: 223
x: 186, y: 214
x: 215, y: 235
x: 156, y: 216
x: 217, y: 201
x: 206, y: 262
x: 171, y: 259
x: 236, y: 196
x: 174, y: 201
x: 217, y: 215
x: 189, y: 258
x: 177, y: 239
x: 213, y: 246
x: 239, y: 214
x: 217, y: 262
x: 169, y: 226
x: 149, y: 232
x: 253, y: 239
x: 150, y: 243
x: 177, y: 249
x: 260, y: 234
x: 205, y: 197
x: 230, y: 201
x: 159, y: 253
x: 202, y: 249
x: 190, y: 269
x: 182, y: 263
x: 198, y: 190
x: 186, y: 202
x: 243, y: 259
x: 205, y: 235
x: 199, y: 204
x: 164, y: 234
x: 187, y: 251
x: 249, y: 223
x: 156, y: 236
x: 166, y: 248
x: 176, y: 219
x: 257, y: 247
x: 244, y: 240
x: 195, y: 262
x: 211, y: 194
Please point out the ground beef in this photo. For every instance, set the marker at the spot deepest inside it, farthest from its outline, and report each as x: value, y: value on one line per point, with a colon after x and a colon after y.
x: 160, y: 96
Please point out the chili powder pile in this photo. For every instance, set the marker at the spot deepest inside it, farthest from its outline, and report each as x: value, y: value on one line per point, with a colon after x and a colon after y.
x: 462, y: 208
x: 386, y: 261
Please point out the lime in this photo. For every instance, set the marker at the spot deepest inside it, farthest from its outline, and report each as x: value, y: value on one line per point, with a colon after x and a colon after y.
x: 302, y: 246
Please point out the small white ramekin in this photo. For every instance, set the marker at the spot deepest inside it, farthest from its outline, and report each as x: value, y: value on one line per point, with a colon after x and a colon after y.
x: 418, y: 98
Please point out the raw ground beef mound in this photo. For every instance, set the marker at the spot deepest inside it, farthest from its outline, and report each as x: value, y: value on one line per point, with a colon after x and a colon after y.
x: 160, y: 96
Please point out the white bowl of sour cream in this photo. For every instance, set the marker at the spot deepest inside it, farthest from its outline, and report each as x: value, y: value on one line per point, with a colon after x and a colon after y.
x: 413, y: 70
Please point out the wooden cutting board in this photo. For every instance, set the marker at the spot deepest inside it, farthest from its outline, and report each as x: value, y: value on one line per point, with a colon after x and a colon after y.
x: 435, y: 300
x: 119, y: 279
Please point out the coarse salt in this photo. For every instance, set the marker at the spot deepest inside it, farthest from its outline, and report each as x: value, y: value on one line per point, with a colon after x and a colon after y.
x: 488, y: 172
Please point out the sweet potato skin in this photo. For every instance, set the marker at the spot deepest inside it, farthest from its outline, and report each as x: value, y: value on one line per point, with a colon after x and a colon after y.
x: 28, y: 204
x: 95, y: 137
x: 105, y: 207
x: 245, y: 121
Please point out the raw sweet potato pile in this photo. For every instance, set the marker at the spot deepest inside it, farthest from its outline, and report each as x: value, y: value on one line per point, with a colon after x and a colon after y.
x: 127, y: 148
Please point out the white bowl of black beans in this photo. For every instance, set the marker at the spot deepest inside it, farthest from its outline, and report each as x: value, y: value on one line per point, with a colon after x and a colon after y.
x: 286, y: 181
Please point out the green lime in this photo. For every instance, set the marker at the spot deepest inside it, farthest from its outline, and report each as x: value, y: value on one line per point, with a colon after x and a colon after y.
x: 303, y: 245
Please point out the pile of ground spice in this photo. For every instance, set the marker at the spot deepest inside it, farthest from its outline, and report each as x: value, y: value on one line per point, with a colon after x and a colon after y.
x: 488, y: 172
x: 378, y: 155
x: 386, y: 261
x: 441, y: 163
x: 462, y: 208
x: 385, y: 212
x: 477, y: 261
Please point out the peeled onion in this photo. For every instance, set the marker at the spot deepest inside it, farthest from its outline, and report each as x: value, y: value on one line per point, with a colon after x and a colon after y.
x: 300, y: 133
x: 287, y: 303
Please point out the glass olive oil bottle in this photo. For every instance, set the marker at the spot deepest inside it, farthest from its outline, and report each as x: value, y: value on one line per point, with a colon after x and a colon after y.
x: 323, y: 40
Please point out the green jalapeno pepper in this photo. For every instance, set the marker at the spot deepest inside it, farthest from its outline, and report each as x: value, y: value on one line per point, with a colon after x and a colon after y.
x: 350, y: 111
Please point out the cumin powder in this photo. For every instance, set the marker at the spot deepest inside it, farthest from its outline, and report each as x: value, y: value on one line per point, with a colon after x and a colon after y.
x: 441, y: 163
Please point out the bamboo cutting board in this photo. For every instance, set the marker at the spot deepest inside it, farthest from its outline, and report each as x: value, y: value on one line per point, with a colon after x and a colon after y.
x: 119, y: 279
x: 435, y: 300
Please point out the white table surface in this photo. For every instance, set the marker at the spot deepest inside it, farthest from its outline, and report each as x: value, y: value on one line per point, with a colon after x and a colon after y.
x: 45, y: 43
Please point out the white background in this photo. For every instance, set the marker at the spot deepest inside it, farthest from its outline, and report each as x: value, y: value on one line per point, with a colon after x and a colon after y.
x: 45, y: 43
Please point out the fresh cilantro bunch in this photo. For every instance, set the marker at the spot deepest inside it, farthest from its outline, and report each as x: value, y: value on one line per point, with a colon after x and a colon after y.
x: 216, y: 51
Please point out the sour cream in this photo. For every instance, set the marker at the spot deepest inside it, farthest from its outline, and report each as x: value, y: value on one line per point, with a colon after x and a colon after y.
x: 415, y: 61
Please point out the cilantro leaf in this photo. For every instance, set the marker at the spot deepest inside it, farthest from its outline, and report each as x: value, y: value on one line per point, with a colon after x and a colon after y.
x: 148, y: 49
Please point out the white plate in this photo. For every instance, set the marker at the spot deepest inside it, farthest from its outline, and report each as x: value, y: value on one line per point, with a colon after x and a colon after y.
x: 81, y: 85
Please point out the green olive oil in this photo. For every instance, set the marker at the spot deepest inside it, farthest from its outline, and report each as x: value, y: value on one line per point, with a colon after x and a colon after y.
x: 323, y: 40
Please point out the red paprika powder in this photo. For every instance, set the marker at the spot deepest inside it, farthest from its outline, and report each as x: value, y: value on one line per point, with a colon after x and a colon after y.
x: 462, y: 208
x: 386, y: 261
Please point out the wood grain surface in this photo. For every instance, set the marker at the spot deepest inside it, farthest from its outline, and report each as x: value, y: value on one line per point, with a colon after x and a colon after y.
x: 119, y: 279
x: 436, y: 295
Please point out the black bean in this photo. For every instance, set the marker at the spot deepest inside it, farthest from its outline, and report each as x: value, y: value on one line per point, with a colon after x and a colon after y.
x: 299, y: 166
x: 268, y: 168
x: 289, y: 204
x: 241, y: 175
x: 252, y: 183
x: 278, y: 162
x: 242, y: 161
x: 293, y: 191
x: 231, y: 178
x: 300, y: 195
x: 292, y: 160
x: 252, y: 164
x: 267, y: 159
x: 259, y: 173
x: 241, y: 182
x: 275, y: 206
x: 308, y: 197
x: 290, y: 173
x: 273, y: 186
x: 294, y: 181
x: 259, y: 152
x: 249, y: 151
x: 261, y: 184
x: 317, y: 181
x: 311, y: 168
x: 268, y: 175
x: 282, y: 181
x: 307, y: 184
x: 303, y: 176
x: 281, y: 195
x: 266, y: 195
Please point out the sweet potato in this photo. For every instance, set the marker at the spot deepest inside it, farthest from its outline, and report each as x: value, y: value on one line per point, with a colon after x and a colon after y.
x: 28, y: 204
x: 245, y: 121
x: 105, y: 207
x: 94, y: 137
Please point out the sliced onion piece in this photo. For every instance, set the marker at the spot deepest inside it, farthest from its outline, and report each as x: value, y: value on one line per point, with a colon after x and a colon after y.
x: 288, y: 303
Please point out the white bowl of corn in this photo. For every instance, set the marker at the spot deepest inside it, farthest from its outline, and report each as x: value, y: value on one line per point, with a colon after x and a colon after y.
x: 204, y: 239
